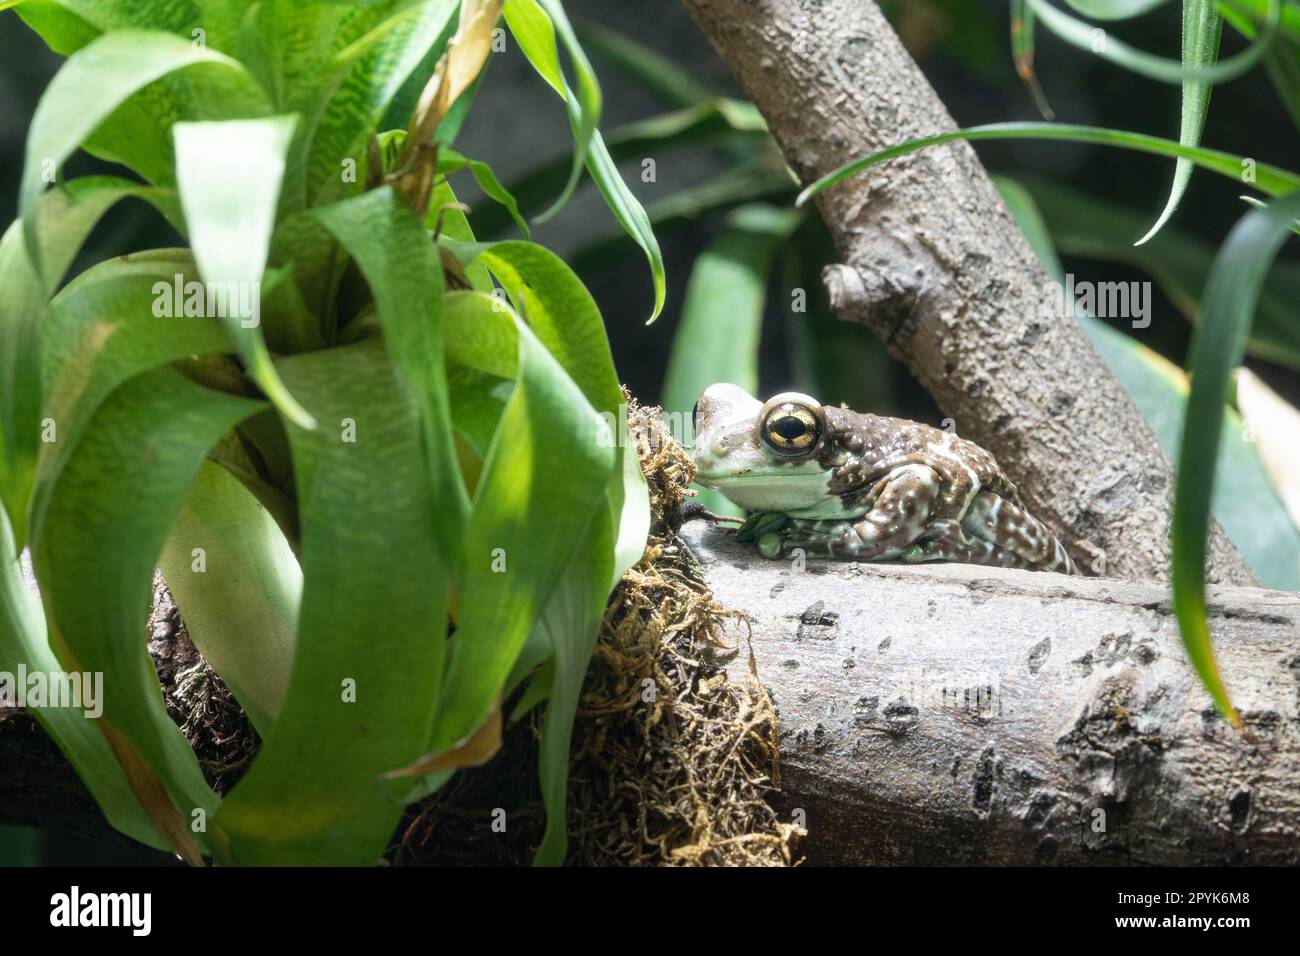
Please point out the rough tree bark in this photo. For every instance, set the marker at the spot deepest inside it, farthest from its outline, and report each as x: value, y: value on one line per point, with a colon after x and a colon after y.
x: 934, y: 265
x: 957, y: 714
x: 953, y: 714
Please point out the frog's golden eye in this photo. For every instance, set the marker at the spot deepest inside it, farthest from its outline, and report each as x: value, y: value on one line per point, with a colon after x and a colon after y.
x: 792, y: 425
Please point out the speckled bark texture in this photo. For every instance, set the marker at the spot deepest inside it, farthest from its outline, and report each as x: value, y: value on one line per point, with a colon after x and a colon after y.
x: 951, y: 714
x: 934, y: 265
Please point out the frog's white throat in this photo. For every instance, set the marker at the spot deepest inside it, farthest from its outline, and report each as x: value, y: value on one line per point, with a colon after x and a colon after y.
x: 803, y: 494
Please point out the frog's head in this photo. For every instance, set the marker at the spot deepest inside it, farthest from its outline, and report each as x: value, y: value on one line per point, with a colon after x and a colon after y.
x: 764, y: 456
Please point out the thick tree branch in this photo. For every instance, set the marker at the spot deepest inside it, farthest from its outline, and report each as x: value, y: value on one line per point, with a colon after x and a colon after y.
x: 934, y: 265
x: 958, y: 714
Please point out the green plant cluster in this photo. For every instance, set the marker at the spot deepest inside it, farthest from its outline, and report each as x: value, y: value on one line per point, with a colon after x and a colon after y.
x: 387, y: 488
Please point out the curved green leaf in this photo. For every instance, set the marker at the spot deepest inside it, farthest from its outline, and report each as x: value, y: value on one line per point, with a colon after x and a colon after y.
x: 449, y: 161
x: 534, y: 24
x: 583, y: 110
x: 101, y: 333
x: 1095, y: 40
x: 96, y: 80
x: 94, y: 555
x: 552, y: 455
x: 1271, y: 179
x: 1226, y: 310
x: 67, y: 216
x: 229, y: 197
x: 23, y: 642
x: 239, y: 595
x: 371, y: 573
x: 562, y: 314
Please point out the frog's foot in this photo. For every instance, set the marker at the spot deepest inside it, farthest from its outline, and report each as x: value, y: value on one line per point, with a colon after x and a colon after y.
x: 896, y: 521
x: 994, y: 519
x: 947, y: 541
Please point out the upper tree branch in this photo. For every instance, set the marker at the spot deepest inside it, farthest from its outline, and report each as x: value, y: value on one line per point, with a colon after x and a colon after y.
x: 934, y: 265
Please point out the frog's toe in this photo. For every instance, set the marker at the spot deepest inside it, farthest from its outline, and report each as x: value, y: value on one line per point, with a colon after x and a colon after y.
x: 758, y: 524
x: 769, y: 545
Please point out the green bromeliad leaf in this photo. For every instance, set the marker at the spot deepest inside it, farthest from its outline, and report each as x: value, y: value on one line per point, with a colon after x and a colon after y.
x: 23, y: 642
x: 393, y: 251
x: 237, y: 585
x: 552, y: 455
x: 95, y: 549
x: 370, y: 72
x: 67, y: 217
x: 101, y: 333
x: 103, y: 75
x: 372, y: 626
x: 561, y: 312
x: 230, y: 197
x: 537, y: 41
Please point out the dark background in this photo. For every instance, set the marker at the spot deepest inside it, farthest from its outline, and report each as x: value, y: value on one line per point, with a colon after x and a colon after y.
x: 963, y: 47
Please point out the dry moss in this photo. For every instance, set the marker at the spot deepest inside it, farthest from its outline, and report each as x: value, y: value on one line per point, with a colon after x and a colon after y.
x: 671, y: 762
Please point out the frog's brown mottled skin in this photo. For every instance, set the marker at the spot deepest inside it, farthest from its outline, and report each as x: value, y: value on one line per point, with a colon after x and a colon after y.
x: 929, y: 496
x: 899, y: 489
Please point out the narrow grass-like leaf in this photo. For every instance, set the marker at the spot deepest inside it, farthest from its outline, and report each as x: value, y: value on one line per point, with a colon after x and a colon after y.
x: 1226, y: 312
x: 1022, y: 53
x: 229, y: 197
x: 1096, y: 40
x: 394, y: 253
x: 237, y: 585
x: 631, y: 215
x: 584, y: 113
x: 1245, y: 502
x: 94, y: 555
x: 371, y: 571
x: 1114, y: 9
x: 534, y: 25
x: 1271, y: 179
x: 449, y: 161
x: 1202, y: 28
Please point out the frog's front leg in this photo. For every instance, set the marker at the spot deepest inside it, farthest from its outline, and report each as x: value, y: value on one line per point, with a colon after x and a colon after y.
x: 904, y: 503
